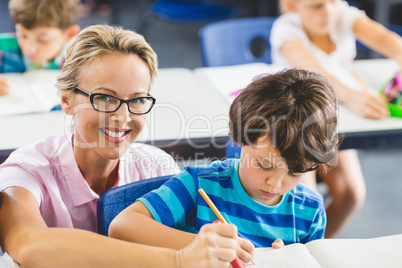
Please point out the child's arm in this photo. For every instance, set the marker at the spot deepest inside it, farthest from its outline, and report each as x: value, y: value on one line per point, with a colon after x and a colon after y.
x: 379, y: 38
x: 136, y: 224
x: 26, y: 238
x: 3, y: 86
x: 362, y: 102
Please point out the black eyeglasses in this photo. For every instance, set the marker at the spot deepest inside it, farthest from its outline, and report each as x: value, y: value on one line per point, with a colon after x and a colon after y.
x: 109, y: 104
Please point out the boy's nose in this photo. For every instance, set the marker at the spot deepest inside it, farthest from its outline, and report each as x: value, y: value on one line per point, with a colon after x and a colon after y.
x: 275, y: 180
x: 31, y: 48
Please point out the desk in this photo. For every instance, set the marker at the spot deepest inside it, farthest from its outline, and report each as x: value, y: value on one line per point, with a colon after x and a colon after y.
x: 190, y: 118
x: 360, y: 133
x: 186, y: 115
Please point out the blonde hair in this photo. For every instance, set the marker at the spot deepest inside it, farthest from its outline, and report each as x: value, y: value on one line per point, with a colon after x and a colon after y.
x: 100, y: 40
x: 50, y: 13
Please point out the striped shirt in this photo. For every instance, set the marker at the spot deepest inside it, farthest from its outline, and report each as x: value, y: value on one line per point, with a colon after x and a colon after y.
x: 298, y: 218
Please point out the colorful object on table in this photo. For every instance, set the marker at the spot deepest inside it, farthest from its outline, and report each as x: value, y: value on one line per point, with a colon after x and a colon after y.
x: 236, y: 262
x: 392, y: 92
x: 235, y: 93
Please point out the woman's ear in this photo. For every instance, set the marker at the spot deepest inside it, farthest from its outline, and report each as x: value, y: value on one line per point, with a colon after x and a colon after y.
x: 67, y: 103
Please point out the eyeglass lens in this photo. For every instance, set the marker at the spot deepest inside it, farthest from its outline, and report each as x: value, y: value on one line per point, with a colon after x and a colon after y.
x: 106, y: 103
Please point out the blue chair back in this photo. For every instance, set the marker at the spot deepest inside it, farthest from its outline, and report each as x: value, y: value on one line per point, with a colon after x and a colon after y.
x: 232, y: 150
x: 396, y: 28
x: 230, y: 42
x: 113, y: 201
x: 191, y: 10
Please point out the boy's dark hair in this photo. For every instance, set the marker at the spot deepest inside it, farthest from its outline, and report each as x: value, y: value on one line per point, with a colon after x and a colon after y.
x: 296, y: 109
x: 49, y: 13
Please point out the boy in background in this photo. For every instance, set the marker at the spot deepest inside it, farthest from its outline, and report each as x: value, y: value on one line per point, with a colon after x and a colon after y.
x: 286, y: 126
x: 43, y: 29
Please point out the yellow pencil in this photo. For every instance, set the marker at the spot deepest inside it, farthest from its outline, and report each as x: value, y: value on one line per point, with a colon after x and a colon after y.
x: 236, y: 262
x: 212, y: 205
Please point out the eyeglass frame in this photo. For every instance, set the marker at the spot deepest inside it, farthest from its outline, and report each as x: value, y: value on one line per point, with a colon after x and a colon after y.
x: 91, y: 96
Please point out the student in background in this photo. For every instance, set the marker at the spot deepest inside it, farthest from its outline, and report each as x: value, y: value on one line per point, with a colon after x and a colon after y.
x: 320, y: 35
x: 261, y: 192
x: 49, y: 190
x: 43, y: 28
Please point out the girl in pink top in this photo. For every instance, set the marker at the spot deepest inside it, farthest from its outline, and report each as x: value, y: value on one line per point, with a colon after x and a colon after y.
x: 56, y: 182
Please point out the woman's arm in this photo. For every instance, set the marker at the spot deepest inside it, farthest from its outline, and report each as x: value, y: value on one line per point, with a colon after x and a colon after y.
x: 136, y: 224
x: 362, y: 102
x: 27, y: 239
x: 379, y: 38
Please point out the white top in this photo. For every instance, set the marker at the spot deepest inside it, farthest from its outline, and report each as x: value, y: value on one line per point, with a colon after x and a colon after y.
x: 289, y: 27
x: 49, y: 170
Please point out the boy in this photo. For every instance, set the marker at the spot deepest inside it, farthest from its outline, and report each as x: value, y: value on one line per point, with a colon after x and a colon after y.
x: 43, y: 28
x: 286, y: 126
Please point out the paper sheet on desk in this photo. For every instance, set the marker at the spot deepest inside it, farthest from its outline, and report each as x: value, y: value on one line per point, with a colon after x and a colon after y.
x: 227, y: 79
x: 334, y: 253
x: 292, y: 256
x: 30, y: 92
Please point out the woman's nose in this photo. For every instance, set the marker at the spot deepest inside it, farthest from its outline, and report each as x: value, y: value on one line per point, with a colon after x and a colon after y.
x: 122, y: 114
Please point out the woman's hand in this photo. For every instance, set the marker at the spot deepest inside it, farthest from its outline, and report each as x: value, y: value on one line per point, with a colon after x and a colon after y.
x: 214, y: 246
x: 3, y: 86
x: 367, y: 105
x: 278, y: 243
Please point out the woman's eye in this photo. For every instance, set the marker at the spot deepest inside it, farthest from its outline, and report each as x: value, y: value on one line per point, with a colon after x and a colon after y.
x: 138, y: 101
x: 104, y: 98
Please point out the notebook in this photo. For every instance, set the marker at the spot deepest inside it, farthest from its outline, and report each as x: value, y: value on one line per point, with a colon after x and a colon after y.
x: 334, y: 253
x: 30, y: 92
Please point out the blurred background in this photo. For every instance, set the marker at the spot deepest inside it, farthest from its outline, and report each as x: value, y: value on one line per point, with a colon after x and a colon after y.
x: 177, y: 45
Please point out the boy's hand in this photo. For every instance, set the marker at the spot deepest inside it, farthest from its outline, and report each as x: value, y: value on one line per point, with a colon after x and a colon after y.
x: 278, y: 243
x: 245, y: 250
x: 3, y: 86
x: 214, y: 246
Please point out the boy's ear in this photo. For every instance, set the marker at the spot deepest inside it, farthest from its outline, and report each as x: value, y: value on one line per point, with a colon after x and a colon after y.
x: 72, y: 31
x: 290, y: 5
x: 67, y: 103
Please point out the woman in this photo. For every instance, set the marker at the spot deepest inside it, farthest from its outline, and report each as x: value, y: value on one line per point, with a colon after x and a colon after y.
x: 50, y: 189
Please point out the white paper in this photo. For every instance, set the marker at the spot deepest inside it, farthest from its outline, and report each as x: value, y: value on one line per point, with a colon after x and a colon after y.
x: 30, y: 92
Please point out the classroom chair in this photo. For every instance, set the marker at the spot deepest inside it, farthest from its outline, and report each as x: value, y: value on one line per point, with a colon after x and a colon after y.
x: 236, y: 41
x: 232, y: 150
x: 396, y: 28
x: 186, y: 11
x: 113, y: 201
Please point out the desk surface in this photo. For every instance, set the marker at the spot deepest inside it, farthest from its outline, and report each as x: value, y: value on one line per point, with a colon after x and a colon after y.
x: 187, y: 112
x: 191, y: 116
